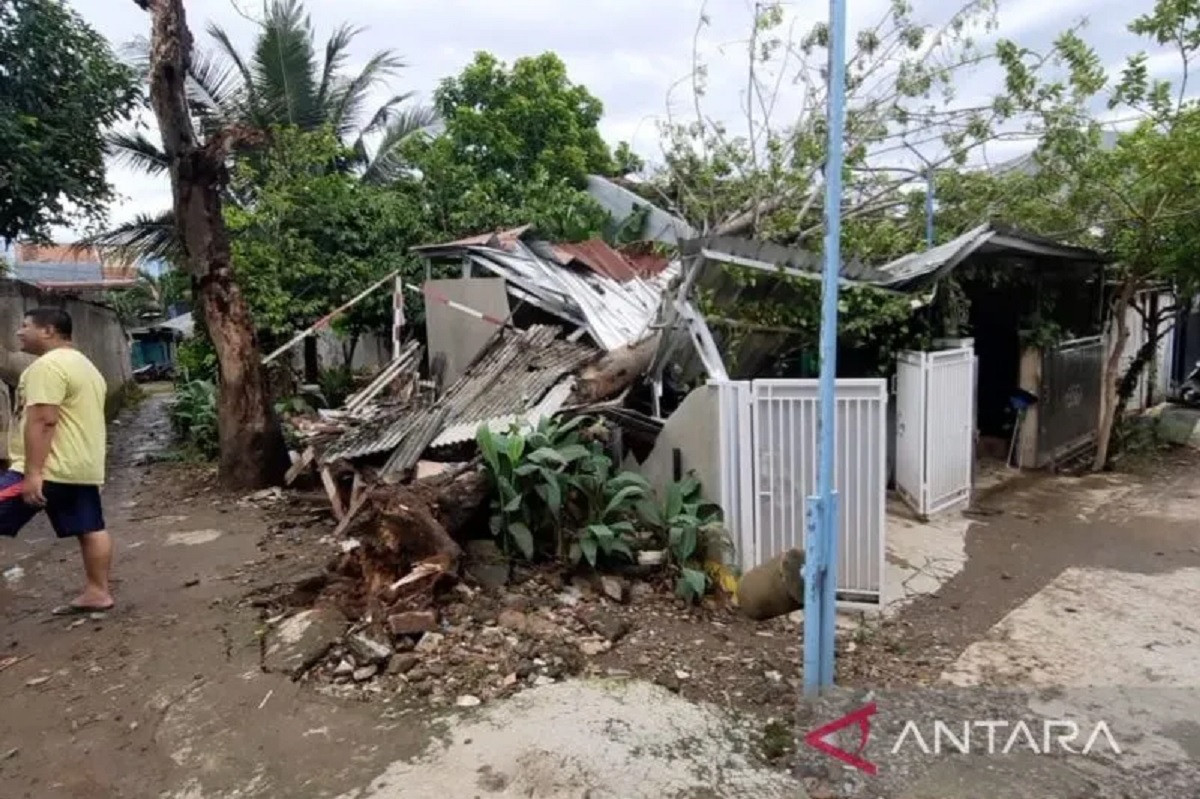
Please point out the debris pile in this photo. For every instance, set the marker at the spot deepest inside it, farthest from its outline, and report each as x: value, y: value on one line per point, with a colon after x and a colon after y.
x: 410, y: 495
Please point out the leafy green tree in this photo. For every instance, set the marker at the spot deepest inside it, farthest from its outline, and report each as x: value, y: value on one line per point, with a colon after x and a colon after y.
x: 61, y: 88
x: 517, y: 146
x: 286, y: 79
x: 145, y: 300
x: 1137, y: 198
x: 312, y: 237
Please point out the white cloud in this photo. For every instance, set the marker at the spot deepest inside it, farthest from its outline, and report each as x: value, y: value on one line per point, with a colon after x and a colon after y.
x: 628, y: 52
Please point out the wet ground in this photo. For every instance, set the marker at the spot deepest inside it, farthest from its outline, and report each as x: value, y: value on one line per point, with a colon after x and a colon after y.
x: 166, y: 697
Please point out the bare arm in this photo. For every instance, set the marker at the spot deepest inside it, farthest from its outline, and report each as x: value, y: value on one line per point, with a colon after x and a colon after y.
x: 40, y: 423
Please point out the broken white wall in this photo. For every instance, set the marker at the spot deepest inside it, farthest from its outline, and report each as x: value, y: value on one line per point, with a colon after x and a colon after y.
x: 692, y: 429
x: 457, y: 335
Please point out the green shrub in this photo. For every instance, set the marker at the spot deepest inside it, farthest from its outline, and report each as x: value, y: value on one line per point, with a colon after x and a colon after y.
x: 194, y: 417
x: 337, y: 383
x: 195, y: 359
x: 554, y: 492
x: 683, y: 522
x: 529, y: 481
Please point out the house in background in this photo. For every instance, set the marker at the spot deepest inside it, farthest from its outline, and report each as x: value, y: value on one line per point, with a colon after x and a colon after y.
x: 155, y: 345
x: 66, y: 268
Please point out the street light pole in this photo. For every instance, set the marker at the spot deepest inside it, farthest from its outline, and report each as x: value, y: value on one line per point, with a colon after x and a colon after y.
x: 929, y: 188
x: 821, y: 515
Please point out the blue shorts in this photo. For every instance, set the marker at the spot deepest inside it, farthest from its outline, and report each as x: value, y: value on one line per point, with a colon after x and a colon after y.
x: 73, y: 510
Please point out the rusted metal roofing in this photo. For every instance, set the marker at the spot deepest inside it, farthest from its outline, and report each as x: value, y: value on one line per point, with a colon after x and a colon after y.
x: 644, y: 260
x: 599, y: 257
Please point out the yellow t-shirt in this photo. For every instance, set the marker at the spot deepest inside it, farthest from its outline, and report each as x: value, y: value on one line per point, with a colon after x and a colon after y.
x: 66, y: 378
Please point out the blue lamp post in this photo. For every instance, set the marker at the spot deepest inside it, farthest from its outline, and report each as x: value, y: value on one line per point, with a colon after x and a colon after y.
x: 821, y: 514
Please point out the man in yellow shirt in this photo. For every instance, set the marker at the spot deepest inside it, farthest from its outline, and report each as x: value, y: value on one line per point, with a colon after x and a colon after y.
x: 57, y: 449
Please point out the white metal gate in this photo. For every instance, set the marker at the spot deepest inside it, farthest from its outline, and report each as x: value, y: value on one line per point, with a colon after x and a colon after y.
x: 935, y: 428
x: 768, y: 446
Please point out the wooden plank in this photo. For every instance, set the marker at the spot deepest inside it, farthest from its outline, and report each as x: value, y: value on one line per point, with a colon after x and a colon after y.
x: 356, y: 506
x: 335, y: 496
x: 297, y: 468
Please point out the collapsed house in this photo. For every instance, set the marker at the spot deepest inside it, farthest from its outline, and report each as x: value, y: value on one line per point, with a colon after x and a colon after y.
x: 529, y: 330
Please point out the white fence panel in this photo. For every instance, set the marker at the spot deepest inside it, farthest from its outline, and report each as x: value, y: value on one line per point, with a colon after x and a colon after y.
x: 950, y: 427
x: 910, y: 428
x: 768, y: 433
x: 735, y: 433
x: 935, y: 428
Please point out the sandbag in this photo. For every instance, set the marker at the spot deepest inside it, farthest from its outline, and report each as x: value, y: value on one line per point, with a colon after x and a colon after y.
x: 774, y: 588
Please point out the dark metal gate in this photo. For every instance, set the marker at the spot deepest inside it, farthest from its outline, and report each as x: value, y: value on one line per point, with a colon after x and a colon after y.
x: 1069, y: 400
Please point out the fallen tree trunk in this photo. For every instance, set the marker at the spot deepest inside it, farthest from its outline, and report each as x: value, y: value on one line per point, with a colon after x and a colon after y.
x: 615, y: 371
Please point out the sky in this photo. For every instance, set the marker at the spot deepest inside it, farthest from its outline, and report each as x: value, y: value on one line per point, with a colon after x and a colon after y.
x: 629, y: 53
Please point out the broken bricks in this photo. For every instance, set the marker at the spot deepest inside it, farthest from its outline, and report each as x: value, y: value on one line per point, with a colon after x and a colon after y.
x: 413, y: 622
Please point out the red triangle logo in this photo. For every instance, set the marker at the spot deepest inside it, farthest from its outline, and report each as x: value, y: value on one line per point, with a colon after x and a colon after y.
x: 861, y: 717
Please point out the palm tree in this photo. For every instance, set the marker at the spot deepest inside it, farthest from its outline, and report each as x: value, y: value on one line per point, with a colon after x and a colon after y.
x: 284, y: 81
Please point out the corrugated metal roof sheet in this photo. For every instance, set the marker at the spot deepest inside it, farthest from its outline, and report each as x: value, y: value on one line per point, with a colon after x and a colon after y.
x: 509, y: 379
x: 614, y: 297
x: 512, y: 379
x: 380, y: 434
x: 424, y: 425
x: 919, y: 268
x: 555, y: 399
x: 644, y: 260
x: 600, y: 258
x: 614, y: 313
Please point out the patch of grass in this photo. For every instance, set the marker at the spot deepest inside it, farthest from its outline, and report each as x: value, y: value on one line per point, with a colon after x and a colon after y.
x: 776, y: 741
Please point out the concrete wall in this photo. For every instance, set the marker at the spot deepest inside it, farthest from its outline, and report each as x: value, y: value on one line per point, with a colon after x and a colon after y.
x: 372, y: 353
x: 98, y: 332
x: 456, y: 335
x: 692, y: 429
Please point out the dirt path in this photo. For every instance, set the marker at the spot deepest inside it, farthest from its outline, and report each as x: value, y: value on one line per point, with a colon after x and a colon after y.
x: 167, y: 698
x: 167, y: 691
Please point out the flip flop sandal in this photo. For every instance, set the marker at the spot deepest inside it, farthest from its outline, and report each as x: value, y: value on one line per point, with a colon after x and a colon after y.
x: 80, y: 610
